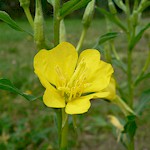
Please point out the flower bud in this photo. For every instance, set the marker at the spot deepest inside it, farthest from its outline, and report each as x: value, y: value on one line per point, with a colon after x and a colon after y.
x: 24, y: 3
x: 112, y: 7
x: 39, y: 26
x: 88, y: 14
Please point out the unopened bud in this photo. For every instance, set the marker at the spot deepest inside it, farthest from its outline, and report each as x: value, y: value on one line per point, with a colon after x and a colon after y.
x: 39, y: 26
x: 112, y: 7
x: 88, y: 14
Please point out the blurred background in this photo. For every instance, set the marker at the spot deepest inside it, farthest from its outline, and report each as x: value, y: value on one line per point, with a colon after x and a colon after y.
x: 30, y: 125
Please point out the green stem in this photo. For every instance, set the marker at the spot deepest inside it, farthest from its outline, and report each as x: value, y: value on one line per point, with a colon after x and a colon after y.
x: 130, y: 82
x: 82, y: 37
x: 111, y: 42
x: 107, y: 52
x: 123, y: 106
x: 114, y: 51
x: 131, y: 145
x: 64, y: 131
x: 56, y: 22
x: 29, y: 16
x: 59, y: 124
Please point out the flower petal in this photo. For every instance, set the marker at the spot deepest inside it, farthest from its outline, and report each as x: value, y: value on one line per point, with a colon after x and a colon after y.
x: 78, y: 106
x: 100, y: 94
x: 92, y: 58
x: 42, y: 79
x: 111, y: 88
x: 52, y: 98
x: 100, y: 79
x: 58, y: 63
x: 97, y: 72
x: 82, y: 104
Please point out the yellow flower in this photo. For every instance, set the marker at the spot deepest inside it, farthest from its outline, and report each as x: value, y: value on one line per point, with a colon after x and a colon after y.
x: 71, y: 81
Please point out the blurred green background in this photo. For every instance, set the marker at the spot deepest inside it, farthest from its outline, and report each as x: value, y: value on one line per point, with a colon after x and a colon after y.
x: 30, y: 125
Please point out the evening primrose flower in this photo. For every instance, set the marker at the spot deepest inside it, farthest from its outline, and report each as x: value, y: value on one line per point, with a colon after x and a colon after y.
x: 71, y: 81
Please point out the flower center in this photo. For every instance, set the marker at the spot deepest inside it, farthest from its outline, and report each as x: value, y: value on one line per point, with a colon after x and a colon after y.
x: 75, y: 86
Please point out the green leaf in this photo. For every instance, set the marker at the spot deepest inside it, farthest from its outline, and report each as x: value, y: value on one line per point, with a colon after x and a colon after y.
x: 144, y: 101
x: 112, y: 18
x: 104, y: 38
x: 7, y: 19
x: 6, y: 84
x: 130, y: 127
x: 71, y: 6
x: 107, y: 36
x: 145, y: 76
x: 138, y: 36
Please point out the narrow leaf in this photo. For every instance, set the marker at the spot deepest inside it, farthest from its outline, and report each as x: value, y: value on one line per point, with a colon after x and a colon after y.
x: 146, y: 76
x: 143, y: 102
x: 107, y: 36
x: 7, y: 19
x: 6, y: 84
x: 104, y: 38
x: 138, y: 36
x: 71, y: 6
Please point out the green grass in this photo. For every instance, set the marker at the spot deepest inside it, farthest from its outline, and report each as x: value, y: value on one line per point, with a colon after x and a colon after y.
x: 30, y: 125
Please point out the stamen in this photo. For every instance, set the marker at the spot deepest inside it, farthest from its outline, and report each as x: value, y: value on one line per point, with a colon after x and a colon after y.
x: 61, y: 77
x: 78, y: 72
x: 75, y: 87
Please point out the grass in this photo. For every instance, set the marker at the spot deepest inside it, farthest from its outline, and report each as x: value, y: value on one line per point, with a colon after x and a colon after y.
x: 30, y: 125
